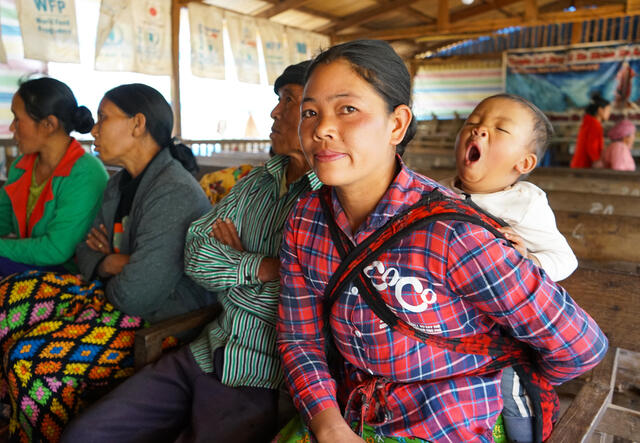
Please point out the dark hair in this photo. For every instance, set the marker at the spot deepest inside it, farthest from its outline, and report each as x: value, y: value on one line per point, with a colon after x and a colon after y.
x: 47, y: 96
x: 137, y: 98
x: 542, y: 127
x: 377, y: 63
x: 597, y: 102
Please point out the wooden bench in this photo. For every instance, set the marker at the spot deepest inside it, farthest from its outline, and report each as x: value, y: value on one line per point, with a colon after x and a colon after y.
x: 599, y: 182
x: 148, y: 341
x: 603, y: 230
x: 611, y: 242
x: 613, y: 300
x: 594, y: 203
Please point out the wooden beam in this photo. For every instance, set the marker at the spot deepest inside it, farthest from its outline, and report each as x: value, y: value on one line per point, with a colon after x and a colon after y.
x: 633, y: 6
x: 488, y: 26
x: 281, y: 7
x: 304, y: 9
x: 321, y: 14
x: 365, y: 15
x: 556, y: 6
x: 175, y: 67
x: 530, y: 10
x: 480, y: 8
x: 415, y: 13
x: 576, y: 33
x: 443, y: 15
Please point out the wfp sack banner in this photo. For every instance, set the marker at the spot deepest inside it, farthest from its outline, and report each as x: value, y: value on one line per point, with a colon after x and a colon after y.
x: 207, y: 49
x: 299, y: 49
x: 243, y: 38
x: 49, y: 31
x: 3, y: 53
x: 562, y: 80
x: 276, y: 56
x: 317, y: 43
x: 134, y: 35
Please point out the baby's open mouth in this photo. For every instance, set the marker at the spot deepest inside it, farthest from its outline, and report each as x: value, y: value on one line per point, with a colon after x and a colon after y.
x: 473, y: 153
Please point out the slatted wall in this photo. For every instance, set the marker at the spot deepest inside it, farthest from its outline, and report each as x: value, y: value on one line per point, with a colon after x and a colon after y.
x: 602, y: 30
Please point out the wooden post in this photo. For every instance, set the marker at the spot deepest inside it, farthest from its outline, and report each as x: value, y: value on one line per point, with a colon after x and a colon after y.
x: 530, y: 11
x: 175, y: 67
x: 443, y: 15
x: 576, y: 33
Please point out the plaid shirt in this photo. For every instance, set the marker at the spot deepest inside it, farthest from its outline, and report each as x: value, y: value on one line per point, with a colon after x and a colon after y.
x: 454, y: 279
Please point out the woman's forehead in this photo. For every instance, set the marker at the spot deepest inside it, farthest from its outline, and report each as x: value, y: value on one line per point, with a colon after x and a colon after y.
x: 334, y: 80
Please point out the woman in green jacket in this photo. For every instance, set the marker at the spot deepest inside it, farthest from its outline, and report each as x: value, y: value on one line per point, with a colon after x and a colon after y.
x: 54, y: 188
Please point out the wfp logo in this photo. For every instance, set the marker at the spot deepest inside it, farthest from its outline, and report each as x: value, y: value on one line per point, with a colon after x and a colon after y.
x: 390, y: 278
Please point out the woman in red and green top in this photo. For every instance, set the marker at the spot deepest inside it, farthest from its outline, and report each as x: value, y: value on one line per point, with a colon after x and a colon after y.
x: 590, y: 140
x: 54, y: 188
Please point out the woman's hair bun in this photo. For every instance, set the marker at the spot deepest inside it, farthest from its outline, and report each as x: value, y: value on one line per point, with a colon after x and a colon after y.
x: 82, y: 120
x: 597, y: 102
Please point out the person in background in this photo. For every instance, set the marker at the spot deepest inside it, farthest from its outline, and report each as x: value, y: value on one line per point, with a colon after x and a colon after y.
x: 224, y: 386
x: 618, y: 154
x: 590, y: 141
x: 62, y: 337
x: 54, y: 188
x: 455, y: 280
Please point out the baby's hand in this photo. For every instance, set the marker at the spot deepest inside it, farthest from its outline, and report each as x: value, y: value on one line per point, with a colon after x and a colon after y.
x: 515, y: 239
x: 518, y: 243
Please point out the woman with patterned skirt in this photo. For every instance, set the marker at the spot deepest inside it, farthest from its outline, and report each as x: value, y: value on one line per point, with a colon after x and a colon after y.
x: 63, y: 337
x: 54, y: 188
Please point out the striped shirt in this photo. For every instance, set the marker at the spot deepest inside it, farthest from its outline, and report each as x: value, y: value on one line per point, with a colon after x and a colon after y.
x: 258, y: 206
x: 452, y: 279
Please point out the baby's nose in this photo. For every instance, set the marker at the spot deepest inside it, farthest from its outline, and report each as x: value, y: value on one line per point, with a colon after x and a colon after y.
x: 480, y: 131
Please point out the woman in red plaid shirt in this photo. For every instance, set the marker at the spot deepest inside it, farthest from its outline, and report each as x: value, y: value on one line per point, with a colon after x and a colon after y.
x: 452, y: 280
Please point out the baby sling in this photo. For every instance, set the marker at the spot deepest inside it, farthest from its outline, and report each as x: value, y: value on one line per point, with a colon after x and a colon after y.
x: 505, y: 350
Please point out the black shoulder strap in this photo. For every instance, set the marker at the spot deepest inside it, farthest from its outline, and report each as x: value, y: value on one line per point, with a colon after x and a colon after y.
x: 431, y: 208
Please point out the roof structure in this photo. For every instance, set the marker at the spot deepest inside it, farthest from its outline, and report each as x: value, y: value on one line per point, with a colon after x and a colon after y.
x: 417, y: 27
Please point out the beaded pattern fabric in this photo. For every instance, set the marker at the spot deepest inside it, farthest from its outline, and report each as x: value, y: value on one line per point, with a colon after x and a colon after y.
x: 59, y: 340
x: 217, y: 184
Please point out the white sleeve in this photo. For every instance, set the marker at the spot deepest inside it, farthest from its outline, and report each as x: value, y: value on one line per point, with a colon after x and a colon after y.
x: 541, y: 236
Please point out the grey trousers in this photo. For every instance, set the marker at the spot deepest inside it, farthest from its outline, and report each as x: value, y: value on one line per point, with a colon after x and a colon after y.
x: 516, y: 412
x: 174, y: 400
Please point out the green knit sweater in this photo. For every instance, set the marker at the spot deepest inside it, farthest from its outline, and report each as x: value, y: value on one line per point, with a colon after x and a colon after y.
x: 64, y: 220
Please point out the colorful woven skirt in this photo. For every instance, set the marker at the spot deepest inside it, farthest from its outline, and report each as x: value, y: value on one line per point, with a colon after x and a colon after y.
x: 60, y: 340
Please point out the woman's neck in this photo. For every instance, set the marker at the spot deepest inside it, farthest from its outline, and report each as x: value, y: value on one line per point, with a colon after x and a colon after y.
x: 140, y: 157
x: 50, y: 155
x: 360, y: 199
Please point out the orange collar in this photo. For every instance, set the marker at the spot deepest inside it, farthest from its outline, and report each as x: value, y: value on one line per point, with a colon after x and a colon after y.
x: 18, y: 191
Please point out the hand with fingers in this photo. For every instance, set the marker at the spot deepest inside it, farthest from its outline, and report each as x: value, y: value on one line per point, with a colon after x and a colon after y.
x: 518, y: 243
x: 226, y: 233
x: 98, y: 240
x: 112, y: 264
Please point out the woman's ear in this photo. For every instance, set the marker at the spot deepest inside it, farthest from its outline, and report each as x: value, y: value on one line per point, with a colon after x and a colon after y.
x: 527, y: 163
x: 401, y: 118
x: 50, y: 124
x: 139, y: 124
